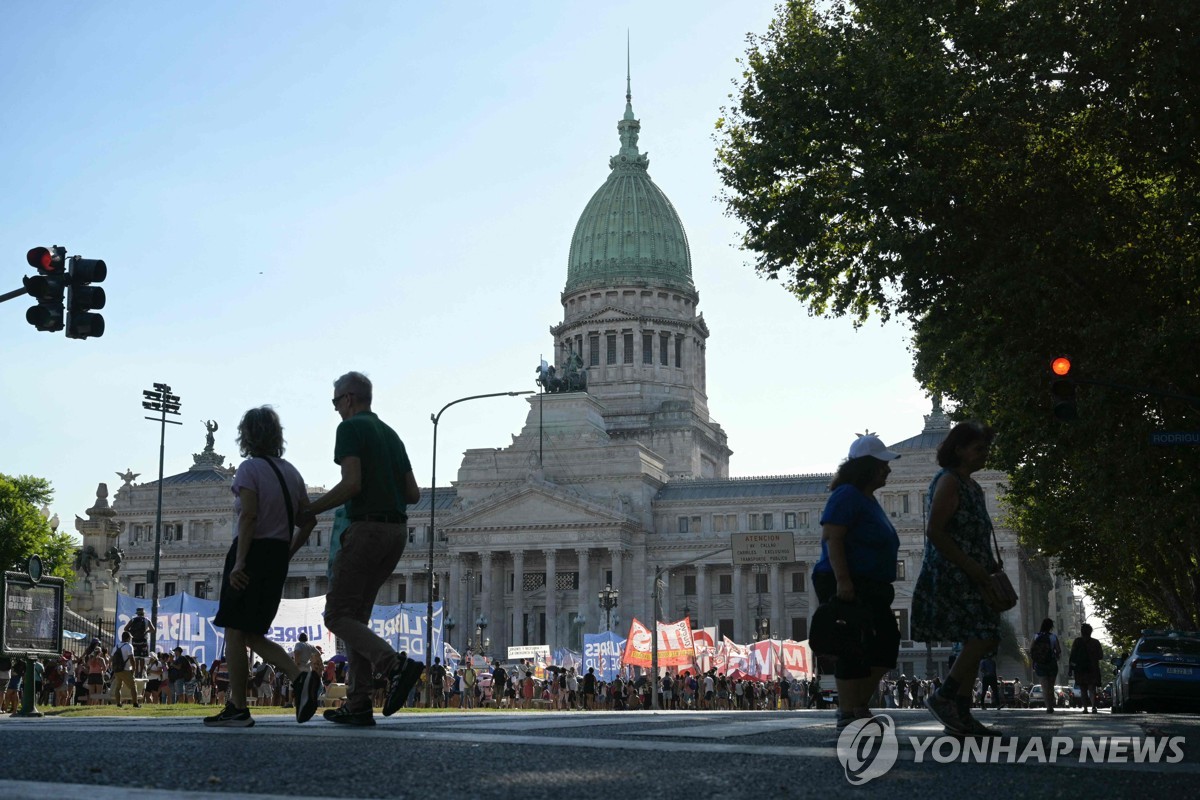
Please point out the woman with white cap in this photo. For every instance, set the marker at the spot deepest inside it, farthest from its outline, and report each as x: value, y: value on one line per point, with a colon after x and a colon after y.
x: 859, y: 546
x: 953, y: 600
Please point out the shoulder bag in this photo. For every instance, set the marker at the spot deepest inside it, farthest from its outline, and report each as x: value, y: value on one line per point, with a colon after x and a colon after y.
x: 1002, y: 588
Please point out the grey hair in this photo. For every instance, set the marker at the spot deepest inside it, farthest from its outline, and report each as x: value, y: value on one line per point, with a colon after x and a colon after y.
x: 356, y: 384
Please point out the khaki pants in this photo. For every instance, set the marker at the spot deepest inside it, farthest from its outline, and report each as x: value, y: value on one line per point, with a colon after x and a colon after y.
x: 122, y: 679
x: 369, y: 554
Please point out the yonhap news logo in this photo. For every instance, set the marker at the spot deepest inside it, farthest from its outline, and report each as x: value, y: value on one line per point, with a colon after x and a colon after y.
x: 869, y: 748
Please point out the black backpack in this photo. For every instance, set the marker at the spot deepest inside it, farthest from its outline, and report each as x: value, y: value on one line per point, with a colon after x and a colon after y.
x: 118, y: 659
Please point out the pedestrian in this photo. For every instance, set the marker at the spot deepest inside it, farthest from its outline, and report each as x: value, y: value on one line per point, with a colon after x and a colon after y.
x: 1085, y: 663
x: 139, y: 629
x: 377, y: 484
x: 589, y: 689
x: 122, y: 671
x: 953, y: 599
x: 437, y: 677
x: 1045, y: 653
x: 97, y: 665
x: 269, y: 499
x: 154, y: 679
x: 859, y: 547
x: 988, y: 680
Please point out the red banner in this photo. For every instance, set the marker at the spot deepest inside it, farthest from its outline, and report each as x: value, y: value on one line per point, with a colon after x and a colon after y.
x: 675, y: 646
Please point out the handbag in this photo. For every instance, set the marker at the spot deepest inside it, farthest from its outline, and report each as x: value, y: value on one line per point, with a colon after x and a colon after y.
x: 1002, y: 588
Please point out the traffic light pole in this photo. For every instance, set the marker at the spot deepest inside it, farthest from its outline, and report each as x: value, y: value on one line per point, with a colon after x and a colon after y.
x: 13, y: 295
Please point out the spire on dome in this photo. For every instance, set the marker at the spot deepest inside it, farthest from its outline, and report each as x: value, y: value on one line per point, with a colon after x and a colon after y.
x: 628, y: 128
x: 937, y: 419
x: 628, y: 90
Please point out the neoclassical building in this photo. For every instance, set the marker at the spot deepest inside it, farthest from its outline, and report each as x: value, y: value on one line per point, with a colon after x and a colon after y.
x: 598, y: 488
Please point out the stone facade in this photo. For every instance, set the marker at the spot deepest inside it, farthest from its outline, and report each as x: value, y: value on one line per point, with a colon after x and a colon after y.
x: 601, y: 488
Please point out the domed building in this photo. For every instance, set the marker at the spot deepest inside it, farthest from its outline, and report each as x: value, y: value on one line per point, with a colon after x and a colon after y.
x: 602, y: 486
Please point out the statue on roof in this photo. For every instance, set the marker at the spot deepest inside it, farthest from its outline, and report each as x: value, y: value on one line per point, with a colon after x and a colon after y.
x: 128, y: 476
x: 574, y: 378
x: 210, y: 441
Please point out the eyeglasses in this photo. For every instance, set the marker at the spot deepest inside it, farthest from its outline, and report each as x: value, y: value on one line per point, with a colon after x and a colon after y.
x: 338, y: 398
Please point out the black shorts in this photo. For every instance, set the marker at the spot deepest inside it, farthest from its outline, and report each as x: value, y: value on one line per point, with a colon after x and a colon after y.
x: 884, y: 647
x: 141, y: 649
x: 253, y: 609
x: 95, y: 679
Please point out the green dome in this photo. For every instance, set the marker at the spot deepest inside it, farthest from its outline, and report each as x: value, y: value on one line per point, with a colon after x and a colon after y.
x: 629, y: 233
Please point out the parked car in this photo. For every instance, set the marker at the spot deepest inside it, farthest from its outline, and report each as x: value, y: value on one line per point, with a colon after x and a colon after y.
x: 1037, y: 697
x: 1162, y: 672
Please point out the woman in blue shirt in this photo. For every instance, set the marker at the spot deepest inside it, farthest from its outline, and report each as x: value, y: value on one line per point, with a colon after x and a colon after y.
x: 858, y: 564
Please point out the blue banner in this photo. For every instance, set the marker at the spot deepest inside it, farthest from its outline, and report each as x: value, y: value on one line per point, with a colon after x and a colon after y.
x: 602, y: 651
x: 187, y: 622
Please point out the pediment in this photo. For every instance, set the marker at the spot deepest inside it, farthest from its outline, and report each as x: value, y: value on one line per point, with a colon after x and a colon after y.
x: 609, y: 313
x: 536, y: 505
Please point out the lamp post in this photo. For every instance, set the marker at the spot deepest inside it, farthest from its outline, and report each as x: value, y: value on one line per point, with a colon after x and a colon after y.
x: 207, y: 587
x: 481, y: 626
x: 450, y: 623
x: 608, y: 601
x: 161, y: 400
x: 435, y: 419
x: 468, y: 580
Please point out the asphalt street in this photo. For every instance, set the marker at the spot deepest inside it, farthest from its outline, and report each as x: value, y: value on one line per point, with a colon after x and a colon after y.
x: 559, y: 755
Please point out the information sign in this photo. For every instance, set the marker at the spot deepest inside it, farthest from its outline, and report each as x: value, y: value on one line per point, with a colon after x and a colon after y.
x: 764, y: 547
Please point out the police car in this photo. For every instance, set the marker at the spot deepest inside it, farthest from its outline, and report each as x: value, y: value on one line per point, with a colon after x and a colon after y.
x: 1163, y: 672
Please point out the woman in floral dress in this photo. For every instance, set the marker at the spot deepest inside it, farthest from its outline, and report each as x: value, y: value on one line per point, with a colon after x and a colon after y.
x: 953, y: 599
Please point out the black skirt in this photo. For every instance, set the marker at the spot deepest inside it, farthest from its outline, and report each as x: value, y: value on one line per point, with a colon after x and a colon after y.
x: 253, y: 609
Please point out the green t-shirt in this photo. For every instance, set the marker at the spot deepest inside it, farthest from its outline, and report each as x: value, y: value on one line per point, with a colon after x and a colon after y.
x: 384, y: 464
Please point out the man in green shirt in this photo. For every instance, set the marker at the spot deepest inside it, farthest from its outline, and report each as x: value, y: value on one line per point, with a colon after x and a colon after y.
x: 377, y: 485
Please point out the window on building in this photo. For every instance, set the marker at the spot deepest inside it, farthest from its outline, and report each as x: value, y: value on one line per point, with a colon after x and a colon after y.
x: 904, y: 503
x: 798, y: 578
x: 611, y: 355
x: 139, y: 590
x: 198, y: 589
x: 802, y: 518
x: 412, y: 534
x: 697, y: 524
x: 664, y: 349
x: 689, y: 584
x: 725, y: 584
x: 768, y: 522
x: 566, y: 580
x: 679, y: 351
x: 718, y: 523
x: 608, y: 577
x: 402, y: 593
x: 900, y: 570
x: 318, y: 538
x: 579, y: 345
x: 628, y: 344
x: 755, y: 522
x: 593, y: 350
x: 761, y: 583
x: 799, y: 628
x: 724, y: 629
x: 532, y: 581
x: 647, y: 348
x: 902, y: 621
x: 731, y: 522
x: 789, y: 520
x: 169, y: 589
x: 683, y: 524
x: 304, y: 590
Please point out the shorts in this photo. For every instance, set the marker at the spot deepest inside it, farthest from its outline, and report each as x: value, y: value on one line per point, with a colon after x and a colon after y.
x: 708, y: 695
x: 141, y: 649
x: 95, y: 679
x: 253, y: 609
x: 152, y: 685
x: 884, y: 647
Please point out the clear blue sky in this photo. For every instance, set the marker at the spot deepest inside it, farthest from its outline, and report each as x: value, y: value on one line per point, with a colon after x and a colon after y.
x: 287, y: 191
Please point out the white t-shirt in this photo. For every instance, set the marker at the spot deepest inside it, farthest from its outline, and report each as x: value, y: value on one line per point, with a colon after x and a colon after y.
x: 305, y: 652
x: 256, y: 474
x: 125, y: 649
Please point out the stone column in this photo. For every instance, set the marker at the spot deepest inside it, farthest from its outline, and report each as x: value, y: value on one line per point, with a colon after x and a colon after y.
x: 518, y: 633
x: 584, y: 571
x: 312, y: 587
x: 777, y: 609
x: 452, y: 594
x: 739, y: 605
x: 485, y: 593
x: 551, y: 599
x: 617, y: 557
x: 703, y: 597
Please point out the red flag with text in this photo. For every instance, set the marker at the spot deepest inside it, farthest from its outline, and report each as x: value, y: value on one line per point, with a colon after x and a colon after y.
x: 675, y: 646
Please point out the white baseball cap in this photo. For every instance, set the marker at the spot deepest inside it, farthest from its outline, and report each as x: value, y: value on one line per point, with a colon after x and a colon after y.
x: 870, y: 445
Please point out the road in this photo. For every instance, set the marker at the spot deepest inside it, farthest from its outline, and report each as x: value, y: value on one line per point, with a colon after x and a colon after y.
x: 530, y: 755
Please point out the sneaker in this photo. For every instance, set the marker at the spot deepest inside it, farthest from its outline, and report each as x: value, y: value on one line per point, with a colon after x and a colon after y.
x: 401, y: 680
x: 974, y: 727
x: 945, y: 711
x: 344, y: 716
x: 305, y: 689
x: 230, y: 717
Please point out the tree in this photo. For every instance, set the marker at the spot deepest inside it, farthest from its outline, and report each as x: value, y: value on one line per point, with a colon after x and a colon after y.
x: 1018, y: 178
x: 24, y: 530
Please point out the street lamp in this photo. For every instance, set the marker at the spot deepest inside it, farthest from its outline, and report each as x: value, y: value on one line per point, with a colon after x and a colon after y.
x: 468, y: 579
x: 481, y: 626
x: 435, y: 418
x: 161, y: 400
x: 207, y: 587
x: 450, y: 623
x: 608, y: 601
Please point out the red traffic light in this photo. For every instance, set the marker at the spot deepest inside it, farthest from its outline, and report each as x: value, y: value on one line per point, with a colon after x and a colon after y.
x: 41, y: 259
x: 1061, y: 366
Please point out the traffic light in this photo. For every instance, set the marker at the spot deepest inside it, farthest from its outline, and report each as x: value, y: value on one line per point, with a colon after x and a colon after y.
x: 1062, y: 390
x: 46, y: 287
x: 83, y: 298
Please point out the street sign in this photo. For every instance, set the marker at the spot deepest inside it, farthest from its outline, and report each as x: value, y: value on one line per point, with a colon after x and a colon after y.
x: 767, y: 547
x: 1175, y: 437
